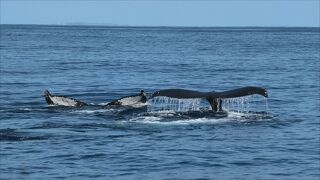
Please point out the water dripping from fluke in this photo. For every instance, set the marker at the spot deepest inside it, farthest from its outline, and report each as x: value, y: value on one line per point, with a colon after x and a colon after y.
x: 162, y: 103
x: 244, y: 105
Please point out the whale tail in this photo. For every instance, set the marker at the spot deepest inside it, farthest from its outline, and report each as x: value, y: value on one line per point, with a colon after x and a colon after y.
x: 61, y: 100
x: 46, y: 93
x: 240, y: 92
x: 214, y: 98
x: 47, y: 97
x: 130, y: 100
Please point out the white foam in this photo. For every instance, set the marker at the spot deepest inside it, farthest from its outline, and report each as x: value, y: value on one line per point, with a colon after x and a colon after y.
x: 200, y: 121
x: 25, y: 109
x: 232, y: 114
x: 172, y: 118
x: 103, y: 104
x: 89, y: 111
x: 163, y: 121
x: 146, y: 119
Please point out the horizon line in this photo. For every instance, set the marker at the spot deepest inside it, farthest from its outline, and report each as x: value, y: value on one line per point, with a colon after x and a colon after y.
x: 164, y: 26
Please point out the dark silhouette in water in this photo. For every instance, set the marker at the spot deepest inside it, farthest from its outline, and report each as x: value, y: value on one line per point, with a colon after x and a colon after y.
x: 214, y: 98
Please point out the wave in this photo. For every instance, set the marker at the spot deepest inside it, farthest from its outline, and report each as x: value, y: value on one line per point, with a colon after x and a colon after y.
x: 92, y: 111
x: 13, y: 135
x: 163, y: 111
x: 204, y: 117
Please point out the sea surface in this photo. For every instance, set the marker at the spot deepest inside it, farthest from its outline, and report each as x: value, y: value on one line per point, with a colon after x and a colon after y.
x: 256, y: 138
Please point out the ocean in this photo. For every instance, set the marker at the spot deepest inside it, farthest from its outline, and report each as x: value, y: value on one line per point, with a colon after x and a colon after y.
x: 258, y: 138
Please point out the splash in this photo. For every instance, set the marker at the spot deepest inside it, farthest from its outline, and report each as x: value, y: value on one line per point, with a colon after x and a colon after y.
x: 92, y: 111
x: 187, y: 118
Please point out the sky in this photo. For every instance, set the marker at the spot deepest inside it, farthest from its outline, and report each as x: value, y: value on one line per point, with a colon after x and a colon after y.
x: 162, y: 13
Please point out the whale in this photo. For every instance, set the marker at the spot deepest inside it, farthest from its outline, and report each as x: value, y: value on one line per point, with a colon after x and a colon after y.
x: 54, y: 100
x: 214, y: 98
x: 130, y: 100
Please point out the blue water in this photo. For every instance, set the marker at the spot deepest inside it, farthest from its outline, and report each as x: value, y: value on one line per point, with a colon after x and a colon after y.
x: 275, y: 139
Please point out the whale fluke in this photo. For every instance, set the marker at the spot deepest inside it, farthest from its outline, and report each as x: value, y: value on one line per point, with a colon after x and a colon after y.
x: 214, y: 98
x: 61, y: 100
x: 130, y: 100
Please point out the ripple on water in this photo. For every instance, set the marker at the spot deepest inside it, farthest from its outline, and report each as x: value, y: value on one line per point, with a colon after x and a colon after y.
x: 14, y: 135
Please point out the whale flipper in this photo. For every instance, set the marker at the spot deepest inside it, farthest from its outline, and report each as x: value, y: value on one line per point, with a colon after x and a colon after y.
x: 130, y: 100
x: 214, y: 98
x: 61, y: 100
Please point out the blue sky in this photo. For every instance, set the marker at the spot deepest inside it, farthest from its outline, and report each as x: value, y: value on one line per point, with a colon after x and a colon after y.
x: 162, y: 13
